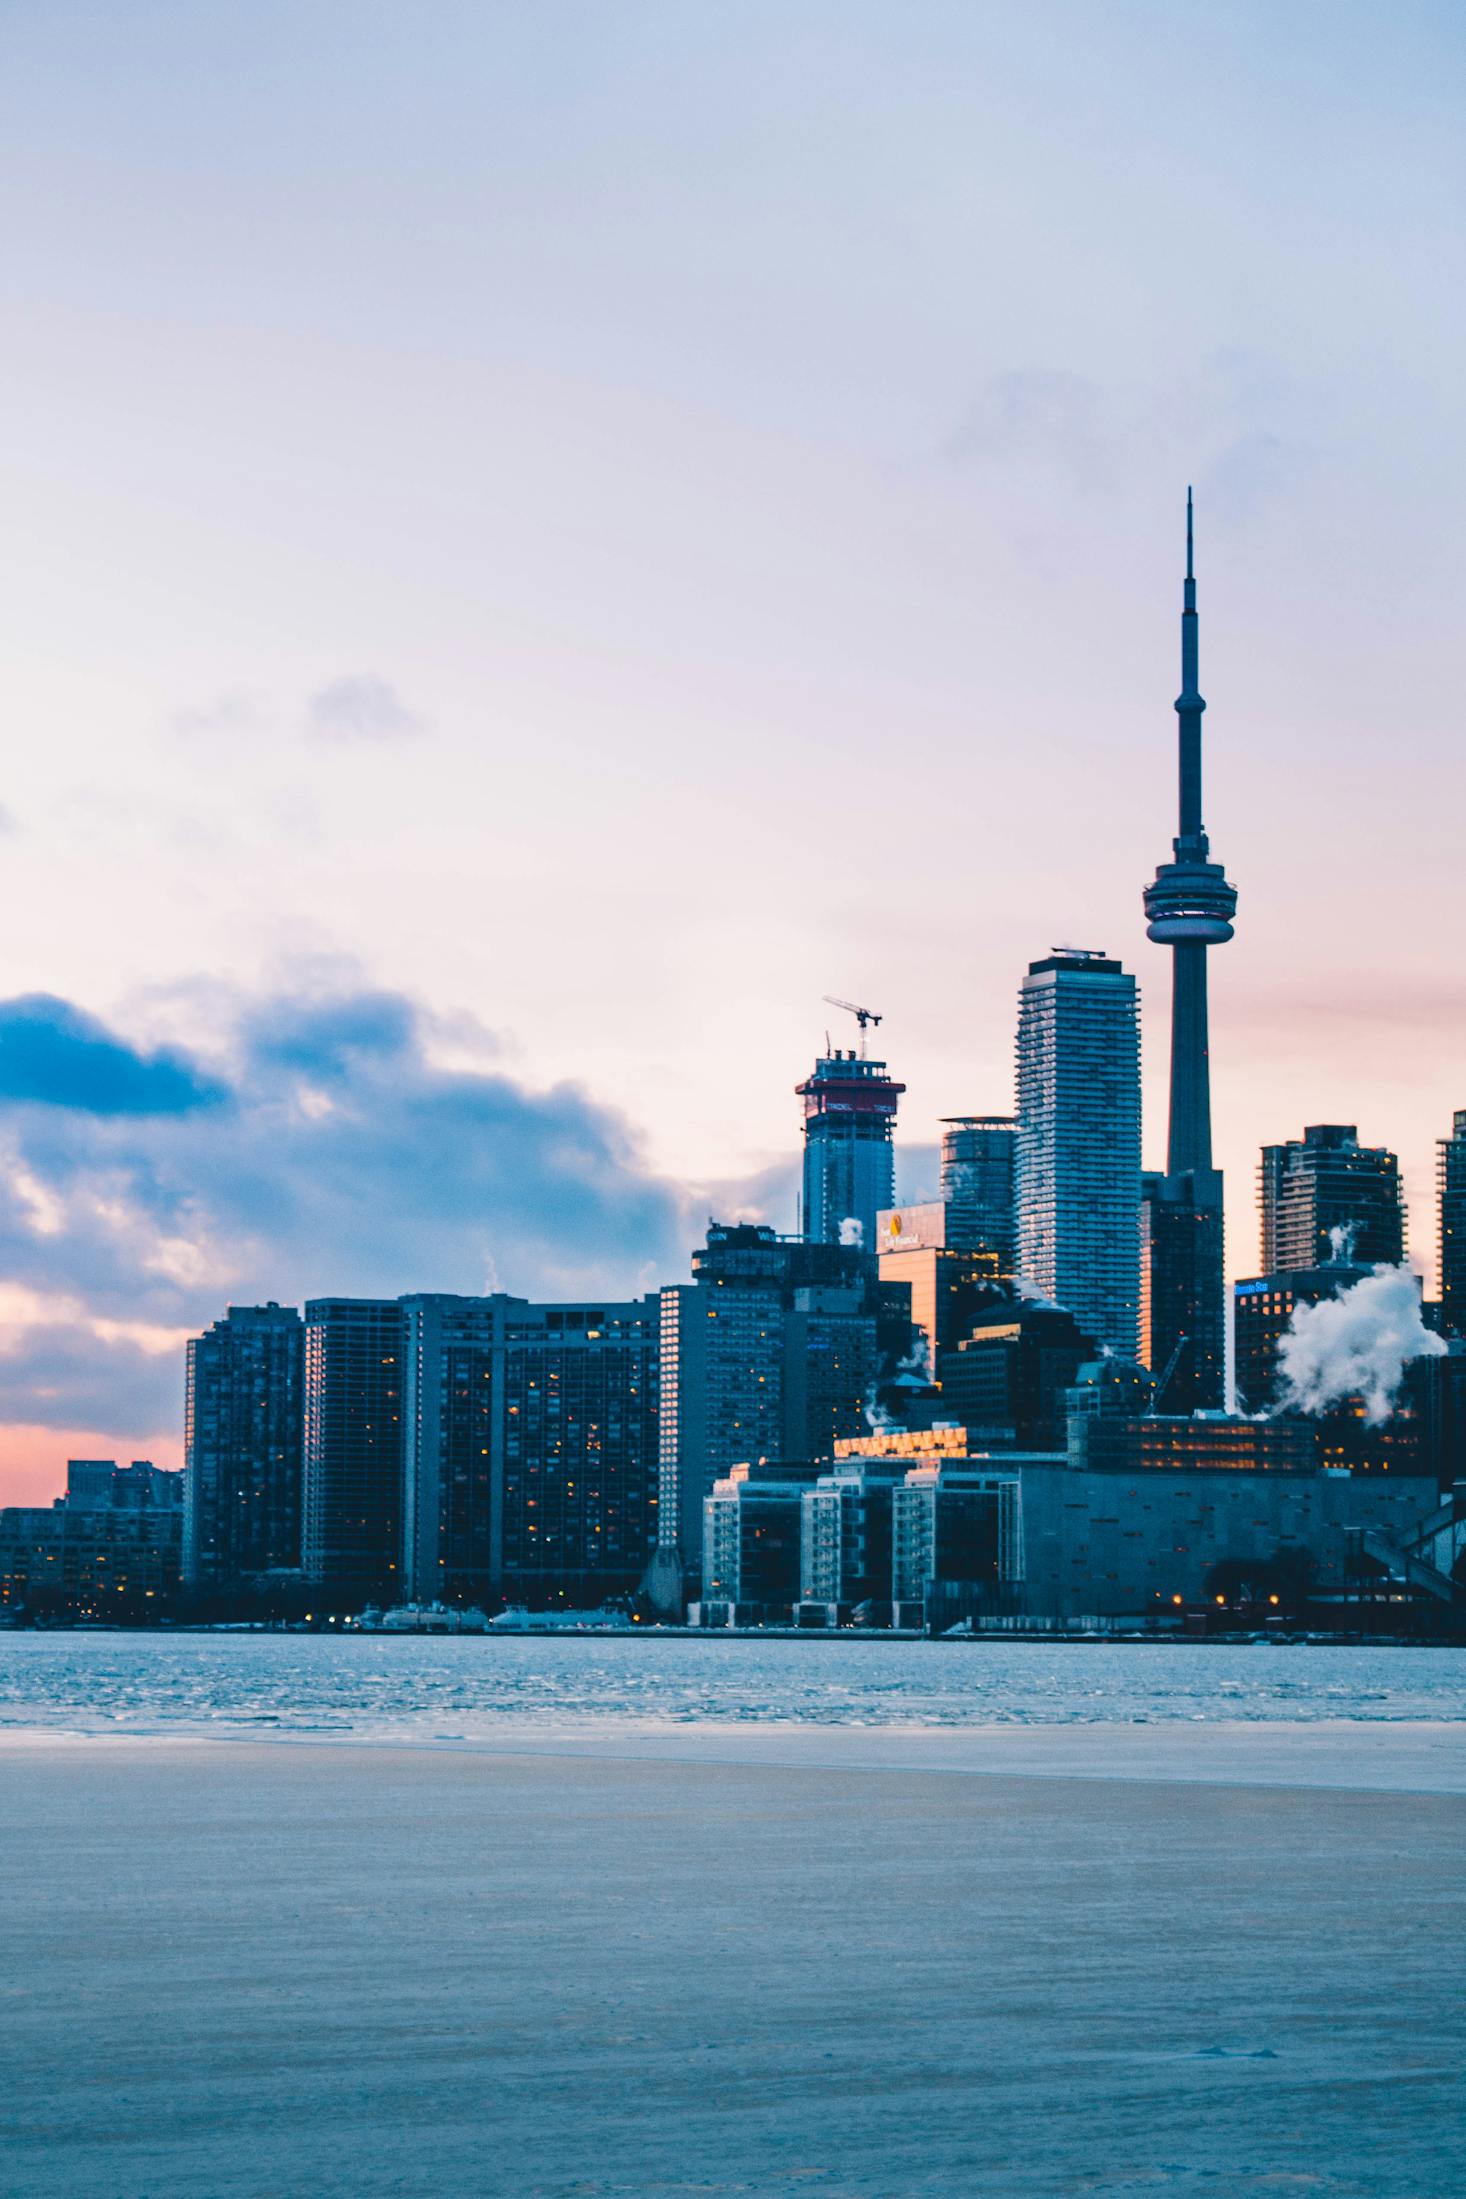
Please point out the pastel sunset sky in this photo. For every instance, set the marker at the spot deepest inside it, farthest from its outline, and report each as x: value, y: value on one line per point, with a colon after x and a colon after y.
x: 539, y: 541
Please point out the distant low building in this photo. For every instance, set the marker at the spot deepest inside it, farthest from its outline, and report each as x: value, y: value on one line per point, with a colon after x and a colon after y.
x: 112, y: 1547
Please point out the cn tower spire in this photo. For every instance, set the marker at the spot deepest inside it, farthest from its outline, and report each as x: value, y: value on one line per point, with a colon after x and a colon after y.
x: 1189, y: 907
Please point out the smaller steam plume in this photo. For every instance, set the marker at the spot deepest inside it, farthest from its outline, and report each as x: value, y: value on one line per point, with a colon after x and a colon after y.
x: 1356, y: 1345
x: 852, y: 1230
x: 1341, y: 1241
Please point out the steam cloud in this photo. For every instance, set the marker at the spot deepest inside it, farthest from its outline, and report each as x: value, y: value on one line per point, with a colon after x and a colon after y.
x: 852, y: 1230
x: 1356, y: 1345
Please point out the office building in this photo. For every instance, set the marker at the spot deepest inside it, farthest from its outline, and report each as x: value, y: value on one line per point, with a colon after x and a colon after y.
x: 1327, y: 1198
x: 769, y: 1352
x: 1451, y: 1193
x: 948, y: 1286
x: 353, y: 1449
x: 1189, y: 908
x: 243, y: 1429
x: 849, y: 1168
x: 979, y: 1158
x: 1078, y: 1172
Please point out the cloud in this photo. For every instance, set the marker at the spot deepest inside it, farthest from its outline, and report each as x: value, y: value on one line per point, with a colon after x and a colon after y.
x: 361, y: 707
x: 332, y: 1152
x: 55, y: 1055
x: 234, y: 711
x: 1040, y: 413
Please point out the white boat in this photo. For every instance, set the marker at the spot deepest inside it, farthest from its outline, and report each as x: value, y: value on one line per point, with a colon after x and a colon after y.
x: 423, y: 1618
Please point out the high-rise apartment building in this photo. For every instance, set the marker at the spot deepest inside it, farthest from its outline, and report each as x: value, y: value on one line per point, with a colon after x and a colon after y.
x: 849, y: 1167
x: 1189, y: 908
x: 979, y: 1157
x: 1451, y: 1190
x: 580, y: 1481
x: 353, y: 1454
x: 451, y: 1416
x: 1078, y: 1170
x: 1328, y: 1198
x: 243, y: 1417
x: 530, y: 1448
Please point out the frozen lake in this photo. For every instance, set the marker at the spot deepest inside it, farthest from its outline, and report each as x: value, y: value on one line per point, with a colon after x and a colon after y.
x: 463, y: 1691
x: 597, y: 1918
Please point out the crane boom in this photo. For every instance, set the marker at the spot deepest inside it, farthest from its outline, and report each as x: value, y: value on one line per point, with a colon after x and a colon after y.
x: 863, y: 1016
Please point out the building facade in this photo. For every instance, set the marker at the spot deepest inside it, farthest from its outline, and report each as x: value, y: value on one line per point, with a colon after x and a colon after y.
x: 1078, y: 1169
x: 979, y: 1161
x: 580, y: 1479
x: 353, y: 1448
x: 771, y: 1351
x: 1451, y: 1197
x: 849, y: 1167
x: 452, y: 1413
x: 111, y: 1548
x: 1327, y: 1198
x: 243, y: 1447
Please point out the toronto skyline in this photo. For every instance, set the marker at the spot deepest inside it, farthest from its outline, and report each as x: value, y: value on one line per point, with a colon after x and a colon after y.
x: 547, y: 623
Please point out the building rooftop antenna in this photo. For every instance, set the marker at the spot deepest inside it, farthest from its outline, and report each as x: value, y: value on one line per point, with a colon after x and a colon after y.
x: 863, y: 1016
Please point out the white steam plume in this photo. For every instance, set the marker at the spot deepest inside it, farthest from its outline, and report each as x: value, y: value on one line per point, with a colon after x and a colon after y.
x: 852, y: 1230
x: 1356, y: 1345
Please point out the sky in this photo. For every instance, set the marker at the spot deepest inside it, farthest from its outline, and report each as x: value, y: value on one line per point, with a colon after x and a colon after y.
x: 536, y: 543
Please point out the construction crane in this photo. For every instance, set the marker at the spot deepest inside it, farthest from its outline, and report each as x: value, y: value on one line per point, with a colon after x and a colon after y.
x: 863, y: 1016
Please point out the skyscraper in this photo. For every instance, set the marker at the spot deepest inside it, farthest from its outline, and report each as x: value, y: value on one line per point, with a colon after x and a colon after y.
x: 849, y: 1168
x: 978, y: 1157
x: 242, y: 1447
x: 580, y: 1449
x: 452, y: 1407
x: 1189, y: 907
x: 1451, y: 1188
x: 353, y: 1447
x: 1329, y: 1198
x: 1079, y: 1142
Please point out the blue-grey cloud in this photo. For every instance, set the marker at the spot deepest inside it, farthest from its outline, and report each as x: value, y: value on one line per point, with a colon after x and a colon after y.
x: 68, y: 1378
x: 361, y: 707
x: 334, y: 1155
x: 55, y: 1055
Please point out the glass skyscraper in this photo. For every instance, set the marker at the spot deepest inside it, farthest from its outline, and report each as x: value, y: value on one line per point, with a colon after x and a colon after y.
x: 978, y: 1153
x: 1078, y: 1175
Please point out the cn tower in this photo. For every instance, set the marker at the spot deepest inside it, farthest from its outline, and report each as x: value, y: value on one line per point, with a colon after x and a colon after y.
x: 1189, y: 908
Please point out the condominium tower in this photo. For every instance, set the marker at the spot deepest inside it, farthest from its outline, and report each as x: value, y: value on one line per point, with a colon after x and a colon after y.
x: 849, y: 1167
x: 1078, y: 1175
